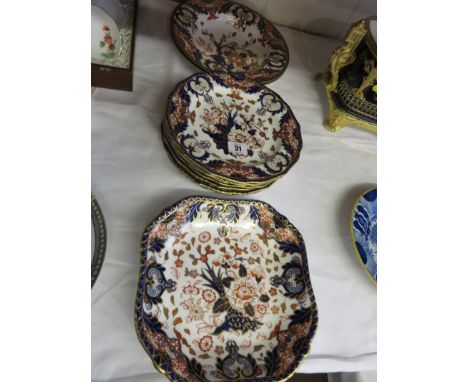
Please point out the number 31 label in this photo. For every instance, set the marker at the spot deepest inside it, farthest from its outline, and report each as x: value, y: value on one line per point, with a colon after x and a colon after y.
x: 237, y: 148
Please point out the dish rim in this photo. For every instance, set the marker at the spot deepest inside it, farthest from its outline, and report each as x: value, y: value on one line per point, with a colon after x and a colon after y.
x: 219, y: 188
x: 352, y: 233
x: 100, y: 237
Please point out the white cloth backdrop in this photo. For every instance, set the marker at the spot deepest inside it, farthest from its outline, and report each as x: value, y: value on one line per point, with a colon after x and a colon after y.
x: 134, y: 180
x: 329, y: 18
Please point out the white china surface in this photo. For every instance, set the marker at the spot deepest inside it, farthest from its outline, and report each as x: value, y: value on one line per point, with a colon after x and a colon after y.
x: 105, y: 36
x: 135, y: 180
x: 113, y: 8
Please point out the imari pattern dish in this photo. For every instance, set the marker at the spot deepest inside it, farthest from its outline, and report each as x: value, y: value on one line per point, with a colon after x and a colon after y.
x: 98, y: 239
x: 364, y: 231
x: 224, y: 292
x: 225, y: 37
x: 237, y: 132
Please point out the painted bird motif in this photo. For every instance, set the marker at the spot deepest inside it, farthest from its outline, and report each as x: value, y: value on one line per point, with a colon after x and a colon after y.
x: 220, y: 135
x: 234, y: 319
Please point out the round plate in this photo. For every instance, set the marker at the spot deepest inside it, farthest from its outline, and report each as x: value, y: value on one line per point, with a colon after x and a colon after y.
x: 225, y: 37
x: 364, y: 231
x: 224, y: 292
x: 105, y: 36
x: 237, y: 129
x: 205, y: 179
x: 98, y: 239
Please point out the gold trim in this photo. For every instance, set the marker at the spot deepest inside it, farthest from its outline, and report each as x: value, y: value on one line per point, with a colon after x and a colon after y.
x: 344, y: 55
x: 341, y: 57
x: 182, y: 156
x: 352, y: 234
x: 337, y: 118
x: 229, y: 190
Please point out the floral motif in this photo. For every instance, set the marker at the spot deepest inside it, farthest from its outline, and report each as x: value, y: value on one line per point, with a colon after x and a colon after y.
x: 223, y: 36
x: 209, y: 296
x: 204, y: 237
x: 191, y: 290
x: 205, y: 343
x: 219, y: 350
x: 223, y: 318
x: 196, y: 312
x: 108, y: 43
x: 262, y: 309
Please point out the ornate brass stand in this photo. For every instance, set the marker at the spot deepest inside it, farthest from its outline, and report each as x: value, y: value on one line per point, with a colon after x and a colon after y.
x: 347, y: 104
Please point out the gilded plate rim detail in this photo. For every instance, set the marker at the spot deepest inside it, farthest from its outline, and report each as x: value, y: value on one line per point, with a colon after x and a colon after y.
x: 100, y: 238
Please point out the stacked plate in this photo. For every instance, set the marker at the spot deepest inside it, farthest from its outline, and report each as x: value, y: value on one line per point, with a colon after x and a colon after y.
x: 221, y: 36
x: 233, y: 136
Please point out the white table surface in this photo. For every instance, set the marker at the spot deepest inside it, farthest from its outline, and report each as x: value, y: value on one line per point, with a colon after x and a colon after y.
x: 134, y: 180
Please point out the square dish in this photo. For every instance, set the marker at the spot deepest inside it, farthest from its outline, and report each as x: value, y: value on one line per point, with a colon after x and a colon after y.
x: 224, y: 292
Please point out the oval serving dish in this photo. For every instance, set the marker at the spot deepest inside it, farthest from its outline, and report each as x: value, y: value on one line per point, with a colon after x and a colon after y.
x: 225, y: 37
x: 364, y: 231
x: 236, y: 130
x: 224, y: 292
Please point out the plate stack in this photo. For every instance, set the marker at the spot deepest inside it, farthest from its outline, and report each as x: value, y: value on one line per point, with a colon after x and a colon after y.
x: 233, y: 136
x: 223, y: 128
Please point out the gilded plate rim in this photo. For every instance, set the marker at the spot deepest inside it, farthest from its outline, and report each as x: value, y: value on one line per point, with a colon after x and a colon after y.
x: 351, y: 228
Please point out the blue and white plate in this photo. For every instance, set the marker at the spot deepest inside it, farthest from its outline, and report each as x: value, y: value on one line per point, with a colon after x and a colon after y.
x: 364, y: 231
